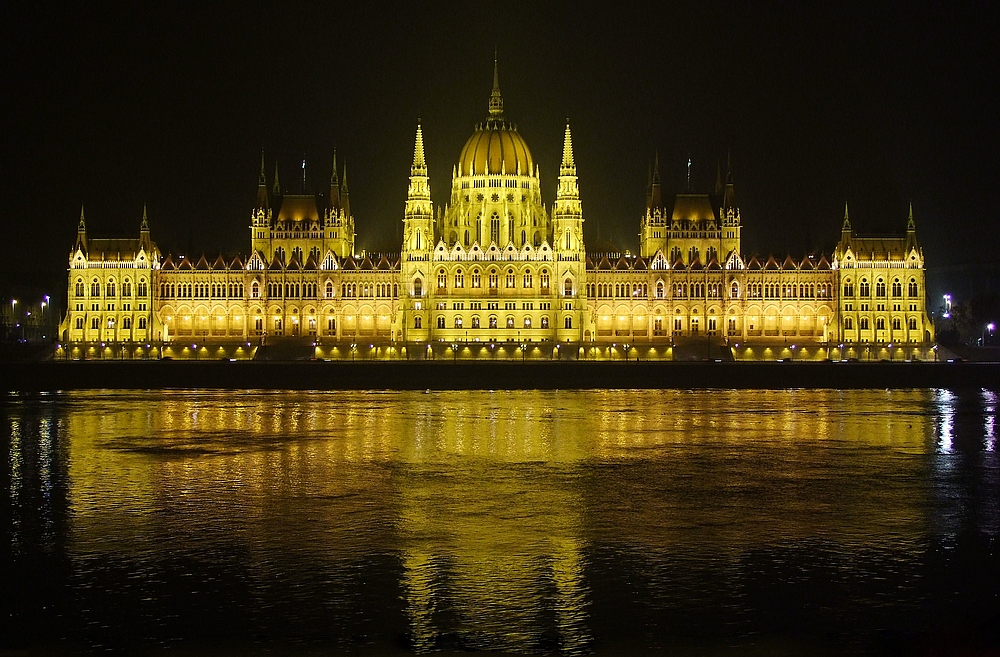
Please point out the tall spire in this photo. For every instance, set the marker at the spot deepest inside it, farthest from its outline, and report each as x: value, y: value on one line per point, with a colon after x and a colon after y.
x: 82, y: 227
x: 144, y: 226
x: 729, y: 201
x: 496, y: 100
x: 655, y: 200
x: 847, y: 220
x: 419, y: 167
x: 81, y: 232
x: 262, y: 203
x: 276, y: 189
x: 568, y: 166
x: 910, y: 226
x: 344, y: 194
x: 334, y: 184
x: 303, y: 173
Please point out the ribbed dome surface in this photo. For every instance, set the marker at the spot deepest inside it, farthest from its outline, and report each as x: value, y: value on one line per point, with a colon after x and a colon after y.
x: 496, y: 147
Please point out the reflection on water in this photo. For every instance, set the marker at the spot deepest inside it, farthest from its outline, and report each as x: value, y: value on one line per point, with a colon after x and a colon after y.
x: 521, y: 522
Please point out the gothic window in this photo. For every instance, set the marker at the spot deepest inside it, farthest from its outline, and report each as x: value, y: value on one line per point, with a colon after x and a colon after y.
x: 255, y: 290
x: 142, y: 322
x: 95, y: 289
x: 569, y: 240
x: 475, y: 321
x: 477, y: 280
x: 864, y: 288
x: 568, y: 287
x: 880, y: 288
x: 897, y: 288
x: 848, y: 288
x: 545, y: 322
x: 127, y: 323
x: 848, y: 323
x: 78, y: 290
x: 863, y: 324
x: 510, y: 278
x: 538, y: 239
x: 418, y: 239
x: 467, y: 238
x: 442, y: 280
x: 527, y: 322
x: 524, y: 237
x: 329, y: 290
x: 734, y: 291
x: 510, y: 322
x: 493, y: 321
x: 911, y: 288
x: 79, y: 323
x: 110, y: 291
x: 417, y: 323
x: 543, y: 279
x: 913, y: 324
x: 527, y: 279
x: 95, y: 323
x: 880, y: 323
x: 675, y: 254
x: 896, y: 324
x: 494, y: 279
x: 568, y: 323
x: 458, y: 322
x: 692, y: 254
x: 418, y: 287
x: 459, y: 278
x: 441, y: 322
x: 126, y: 288
x: 495, y: 228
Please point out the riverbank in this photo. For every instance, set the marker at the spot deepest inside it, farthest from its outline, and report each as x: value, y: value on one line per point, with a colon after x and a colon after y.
x: 487, y: 375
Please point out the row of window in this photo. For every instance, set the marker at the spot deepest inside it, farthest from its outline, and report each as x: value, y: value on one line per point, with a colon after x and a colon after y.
x: 864, y: 288
x: 897, y: 323
x: 110, y: 288
x: 201, y: 290
x: 95, y: 323
x: 493, y: 322
x: 476, y: 281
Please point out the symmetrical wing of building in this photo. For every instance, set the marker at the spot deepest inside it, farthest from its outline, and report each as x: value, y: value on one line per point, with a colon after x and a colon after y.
x: 494, y: 272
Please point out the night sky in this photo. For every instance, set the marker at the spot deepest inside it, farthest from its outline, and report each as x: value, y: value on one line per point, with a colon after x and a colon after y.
x: 874, y: 106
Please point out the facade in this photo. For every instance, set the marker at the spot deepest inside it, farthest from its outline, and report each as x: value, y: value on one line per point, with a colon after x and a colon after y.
x: 496, y: 274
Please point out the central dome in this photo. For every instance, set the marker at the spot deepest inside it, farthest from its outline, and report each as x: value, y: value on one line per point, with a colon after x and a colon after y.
x: 496, y: 147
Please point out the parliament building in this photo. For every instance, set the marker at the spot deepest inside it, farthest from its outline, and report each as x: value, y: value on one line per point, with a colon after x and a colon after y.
x: 496, y: 274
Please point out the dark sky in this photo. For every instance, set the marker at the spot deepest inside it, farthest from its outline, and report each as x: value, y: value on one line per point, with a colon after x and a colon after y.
x: 170, y: 107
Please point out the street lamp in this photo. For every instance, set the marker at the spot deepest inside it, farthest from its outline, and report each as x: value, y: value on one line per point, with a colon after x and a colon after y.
x: 947, y: 306
x: 988, y: 331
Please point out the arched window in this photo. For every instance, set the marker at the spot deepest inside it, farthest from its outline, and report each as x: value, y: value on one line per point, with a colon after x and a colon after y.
x: 510, y: 322
x: 417, y: 323
x: 493, y: 321
x: 848, y: 288
x: 418, y: 287
x: 880, y: 288
x: 142, y: 322
x: 495, y: 227
x: 527, y: 278
x: 527, y: 322
x: 911, y: 288
x: 442, y: 280
x: 897, y: 288
x: 545, y: 322
x: 329, y: 289
x: 79, y: 288
x: 459, y: 278
x: 524, y: 237
x: 475, y: 321
x: 734, y: 291
x: 494, y: 279
x: 255, y: 290
x: 510, y: 278
x: 543, y: 279
x: 440, y: 322
x: 110, y: 288
x: 458, y: 322
x: 864, y: 288
x: 126, y: 288
x: 568, y: 287
x: 467, y: 238
x: 477, y: 279
x: 568, y: 323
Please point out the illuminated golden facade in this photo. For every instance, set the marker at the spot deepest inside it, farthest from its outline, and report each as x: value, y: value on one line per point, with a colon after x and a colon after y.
x: 496, y: 274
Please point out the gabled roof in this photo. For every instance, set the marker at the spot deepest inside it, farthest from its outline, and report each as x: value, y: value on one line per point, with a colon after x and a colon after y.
x: 640, y: 264
x: 589, y: 262
x: 275, y: 265
x: 754, y: 264
x: 696, y: 265
x: 771, y: 264
x: 311, y: 264
x: 384, y: 264
x: 806, y: 264
x: 713, y: 264
x: 293, y: 264
x: 202, y: 264
x: 604, y: 264
x: 623, y: 264
x: 185, y: 264
x: 168, y: 264
x: 349, y: 264
x: 823, y: 263
x: 219, y: 263
x: 237, y: 263
x: 789, y: 264
x: 366, y: 264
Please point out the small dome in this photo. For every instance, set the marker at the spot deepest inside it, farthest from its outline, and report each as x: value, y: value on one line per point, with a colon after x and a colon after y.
x: 496, y: 147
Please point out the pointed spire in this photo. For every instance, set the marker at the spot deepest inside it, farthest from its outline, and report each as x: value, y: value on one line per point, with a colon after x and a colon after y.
x: 81, y: 232
x: 344, y: 194
x: 847, y: 220
x: 655, y: 199
x: 910, y: 226
x: 144, y: 226
x: 419, y: 167
x: 729, y: 201
x: 718, y: 179
x: 276, y: 189
x: 82, y: 227
x: 496, y: 100
x: 262, y: 203
x: 334, y: 184
x: 568, y: 166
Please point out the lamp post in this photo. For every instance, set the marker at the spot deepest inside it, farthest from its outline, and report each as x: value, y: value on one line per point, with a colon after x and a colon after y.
x: 947, y: 306
x: 988, y: 332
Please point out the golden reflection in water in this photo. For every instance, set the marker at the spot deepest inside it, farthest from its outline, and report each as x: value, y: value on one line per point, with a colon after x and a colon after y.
x: 491, y: 500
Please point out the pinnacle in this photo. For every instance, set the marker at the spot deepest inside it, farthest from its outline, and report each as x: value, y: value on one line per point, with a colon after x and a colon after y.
x: 568, y: 160
x: 496, y: 100
x: 83, y: 224
x: 419, y: 163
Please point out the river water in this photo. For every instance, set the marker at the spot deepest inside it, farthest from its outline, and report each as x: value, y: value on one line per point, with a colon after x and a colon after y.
x: 587, y: 522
